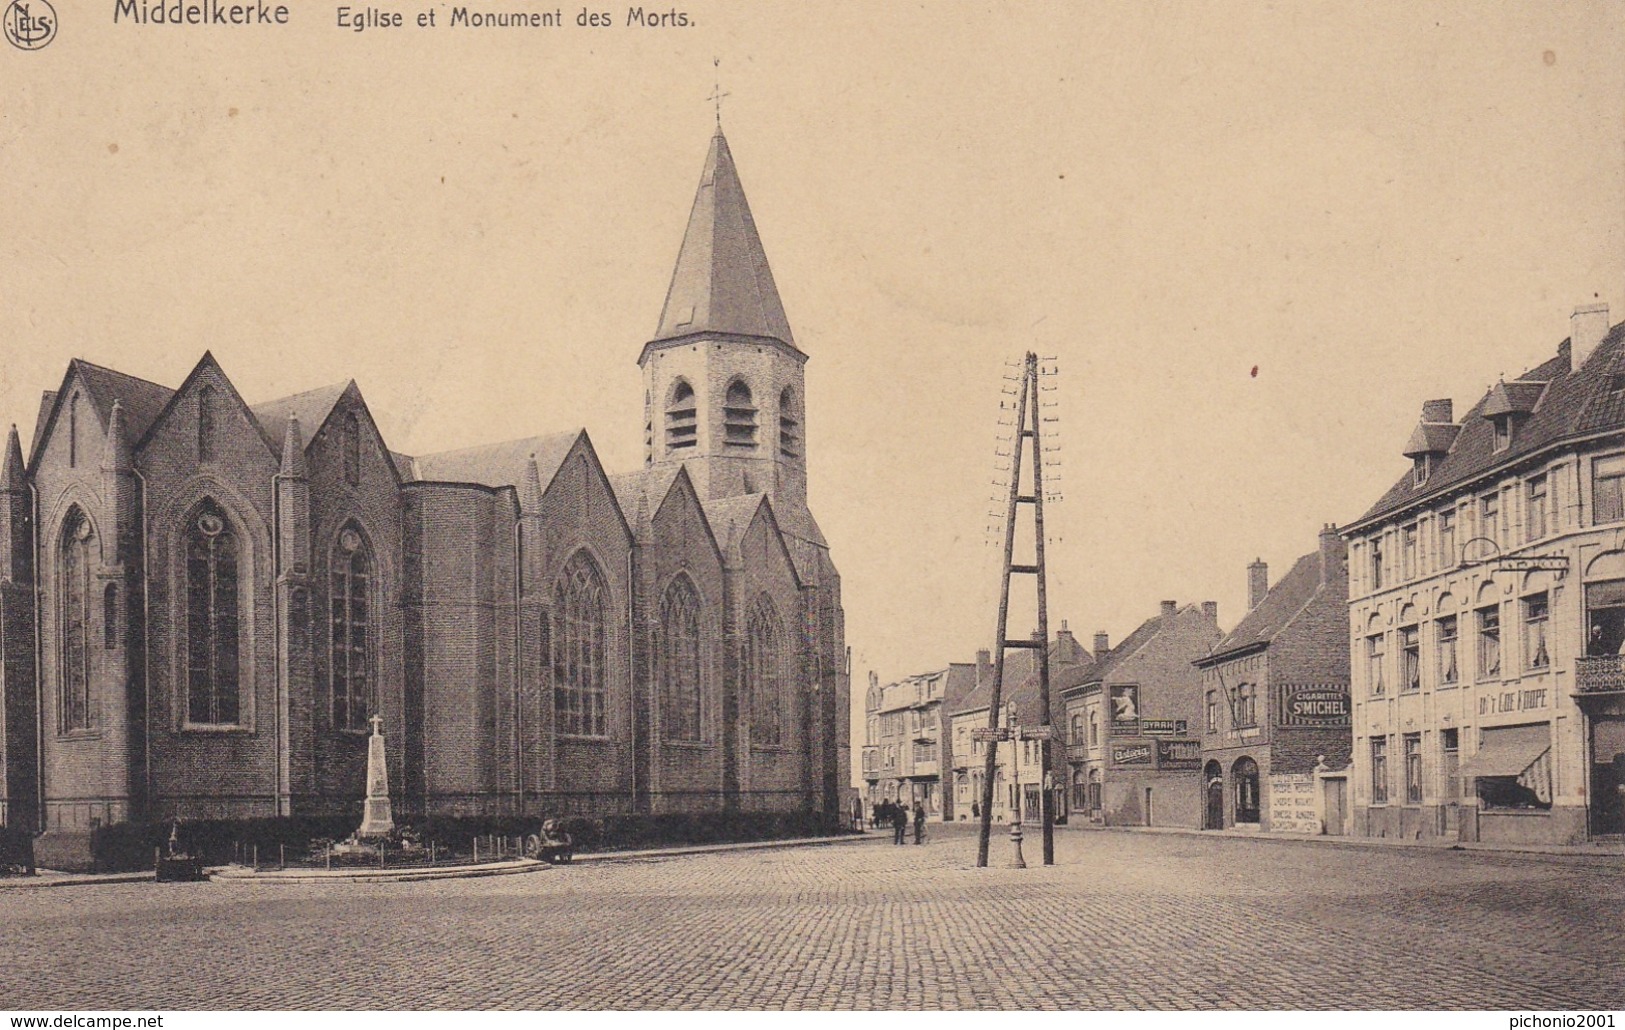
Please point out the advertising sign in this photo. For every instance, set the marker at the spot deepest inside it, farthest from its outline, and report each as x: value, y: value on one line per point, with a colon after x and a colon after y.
x: 1131, y: 754
x: 1179, y: 754
x: 1163, y: 727
x: 1315, y: 706
x: 1292, y: 803
x: 1126, y: 710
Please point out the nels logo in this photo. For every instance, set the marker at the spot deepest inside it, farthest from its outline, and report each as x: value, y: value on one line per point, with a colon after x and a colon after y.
x: 29, y: 24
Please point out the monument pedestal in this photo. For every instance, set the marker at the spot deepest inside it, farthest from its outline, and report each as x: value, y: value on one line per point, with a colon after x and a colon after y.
x: 376, y: 820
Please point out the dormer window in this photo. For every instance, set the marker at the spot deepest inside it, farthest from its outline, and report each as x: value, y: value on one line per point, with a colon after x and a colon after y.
x: 1421, y: 466
x: 1503, y: 431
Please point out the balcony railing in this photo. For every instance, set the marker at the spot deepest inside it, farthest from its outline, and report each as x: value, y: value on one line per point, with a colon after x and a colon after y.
x: 1604, y: 674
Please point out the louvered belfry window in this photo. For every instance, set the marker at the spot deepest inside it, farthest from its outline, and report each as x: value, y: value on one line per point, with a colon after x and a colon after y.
x: 739, y: 417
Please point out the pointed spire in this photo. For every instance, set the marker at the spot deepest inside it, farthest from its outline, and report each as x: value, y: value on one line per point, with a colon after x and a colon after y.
x: 530, y: 500
x: 293, y: 450
x: 722, y: 282
x: 11, y: 473
x: 118, y: 440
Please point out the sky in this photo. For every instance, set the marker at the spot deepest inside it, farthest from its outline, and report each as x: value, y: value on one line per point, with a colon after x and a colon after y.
x: 1253, y: 238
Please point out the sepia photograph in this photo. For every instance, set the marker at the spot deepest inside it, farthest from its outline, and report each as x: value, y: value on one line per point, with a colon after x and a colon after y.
x: 1110, y: 507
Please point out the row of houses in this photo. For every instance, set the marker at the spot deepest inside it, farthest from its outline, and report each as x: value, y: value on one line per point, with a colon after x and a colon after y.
x: 1447, y: 665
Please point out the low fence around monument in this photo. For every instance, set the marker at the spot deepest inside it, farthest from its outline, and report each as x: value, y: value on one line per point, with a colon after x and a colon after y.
x: 595, y: 821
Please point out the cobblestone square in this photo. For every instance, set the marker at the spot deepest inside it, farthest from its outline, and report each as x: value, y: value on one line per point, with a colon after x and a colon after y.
x: 1122, y: 921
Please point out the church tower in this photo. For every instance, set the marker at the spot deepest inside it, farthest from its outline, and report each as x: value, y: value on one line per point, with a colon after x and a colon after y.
x: 723, y: 385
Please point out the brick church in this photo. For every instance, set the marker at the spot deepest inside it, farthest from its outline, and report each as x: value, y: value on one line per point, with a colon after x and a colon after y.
x: 204, y: 600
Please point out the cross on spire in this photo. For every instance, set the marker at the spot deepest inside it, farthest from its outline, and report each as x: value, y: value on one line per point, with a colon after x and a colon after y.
x: 717, y: 94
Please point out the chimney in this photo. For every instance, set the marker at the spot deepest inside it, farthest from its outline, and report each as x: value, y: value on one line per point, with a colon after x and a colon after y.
x: 1169, y: 608
x: 1066, y: 647
x: 1103, y: 643
x: 1334, y: 551
x: 1441, y: 410
x: 1210, y: 609
x: 874, y: 679
x: 984, y: 667
x: 1586, y: 329
x: 1258, y: 582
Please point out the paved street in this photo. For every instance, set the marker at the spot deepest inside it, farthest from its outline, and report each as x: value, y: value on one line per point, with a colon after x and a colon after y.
x: 1125, y: 920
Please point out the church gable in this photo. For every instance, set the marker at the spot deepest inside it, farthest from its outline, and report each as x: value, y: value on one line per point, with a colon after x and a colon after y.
x: 206, y: 427
x: 344, y: 447
x: 578, y: 501
x: 763, y: 553
x: 679, y: 520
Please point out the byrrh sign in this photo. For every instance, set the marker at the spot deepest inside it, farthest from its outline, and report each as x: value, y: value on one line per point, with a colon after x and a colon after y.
x: 1315, y: 706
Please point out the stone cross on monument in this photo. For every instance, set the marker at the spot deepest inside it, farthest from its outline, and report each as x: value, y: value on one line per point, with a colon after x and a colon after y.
x: 375, y: 818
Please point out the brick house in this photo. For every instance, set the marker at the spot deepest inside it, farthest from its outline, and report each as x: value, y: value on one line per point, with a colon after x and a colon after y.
x: 1131, y: 753
x: 1487, y: 612
x: 1275, y: 698
x: 904, y: 734
x: 224, y: 593
x: 1015, y: 762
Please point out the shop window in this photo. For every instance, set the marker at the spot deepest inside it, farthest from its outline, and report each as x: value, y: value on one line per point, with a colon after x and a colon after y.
x: 1245, y: 774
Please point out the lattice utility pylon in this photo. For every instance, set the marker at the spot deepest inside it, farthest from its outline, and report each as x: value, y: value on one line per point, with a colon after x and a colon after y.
x: 1029, y: 418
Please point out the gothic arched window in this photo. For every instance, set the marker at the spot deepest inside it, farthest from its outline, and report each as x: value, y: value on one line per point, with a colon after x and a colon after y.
x: 75, y: 571
x: 352, y: 448
x: 680, y: 660
x: 350, y: 657
x: 213, y: 620
x: 579, y: 652
x: 205, y: 423
x: 789, y: 425
x: 739, y: 416
x: 762, y: 663
x: 682, y: 424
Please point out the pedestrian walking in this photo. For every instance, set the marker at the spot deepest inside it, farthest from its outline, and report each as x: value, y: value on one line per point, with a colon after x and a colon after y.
x: 857, y: 815
x: 919, y: 823
x: 899, y: 823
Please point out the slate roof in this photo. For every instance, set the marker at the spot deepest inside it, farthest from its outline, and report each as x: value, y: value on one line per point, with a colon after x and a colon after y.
x: 141, y: 400
x: 1574, y: 402
x: 729, y: 516
x: 722, y: 282
x: 1021, y: 683
x: 641, y: 493
x: 497, y: 464
x: 1142, y: 635
x: 1281, y: 604
x: 312, y: 408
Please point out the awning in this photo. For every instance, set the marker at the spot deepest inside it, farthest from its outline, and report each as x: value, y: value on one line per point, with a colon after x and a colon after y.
x: 1508, y: 751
